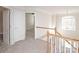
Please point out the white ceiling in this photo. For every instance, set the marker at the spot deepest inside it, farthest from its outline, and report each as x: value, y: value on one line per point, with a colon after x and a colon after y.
x: 53, y: 9
x: 59, y: 9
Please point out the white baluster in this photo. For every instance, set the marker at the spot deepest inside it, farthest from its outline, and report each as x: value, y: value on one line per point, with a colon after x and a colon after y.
x: 78, y: 47
x: 77, y: 51
x: 52, y: 44
x: 64, y: 46
x: 71, y: 48
x: 55, y: 45
x: 59, y: 45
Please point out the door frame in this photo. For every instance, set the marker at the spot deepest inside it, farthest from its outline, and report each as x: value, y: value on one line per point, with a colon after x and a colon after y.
x: 26, y: 27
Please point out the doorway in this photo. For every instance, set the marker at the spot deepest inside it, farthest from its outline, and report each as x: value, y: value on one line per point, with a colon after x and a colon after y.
x: 30, y: 25
x: 4, y: 26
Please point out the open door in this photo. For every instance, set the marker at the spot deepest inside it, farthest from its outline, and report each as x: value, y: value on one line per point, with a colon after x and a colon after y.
x: 30, y: 25
x: 6, y: 30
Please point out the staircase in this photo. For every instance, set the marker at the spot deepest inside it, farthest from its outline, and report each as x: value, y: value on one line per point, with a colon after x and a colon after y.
x: 56, y: 43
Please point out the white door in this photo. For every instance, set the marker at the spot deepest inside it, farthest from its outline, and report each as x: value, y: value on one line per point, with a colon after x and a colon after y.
x: 6, y: 30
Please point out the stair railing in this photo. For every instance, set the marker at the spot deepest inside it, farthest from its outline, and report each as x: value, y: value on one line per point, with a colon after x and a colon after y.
x: 58, y: 44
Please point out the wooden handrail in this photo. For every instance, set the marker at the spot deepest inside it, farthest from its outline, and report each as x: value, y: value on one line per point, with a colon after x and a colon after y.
x: 67, y: 38
x: 70, y: 44
x: 57, y: 33
x: 45, y: 28
x: 50, y: 29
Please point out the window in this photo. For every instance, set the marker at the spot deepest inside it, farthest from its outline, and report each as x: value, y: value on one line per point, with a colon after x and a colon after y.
x: 68, y: 23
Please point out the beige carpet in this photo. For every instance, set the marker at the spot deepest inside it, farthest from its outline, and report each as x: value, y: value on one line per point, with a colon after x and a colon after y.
x: 29, y: 45
x: 30, y: 34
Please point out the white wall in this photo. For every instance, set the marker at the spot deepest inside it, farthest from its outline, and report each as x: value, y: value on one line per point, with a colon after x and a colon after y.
x: 72, y: 34
x: 42, y: 20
